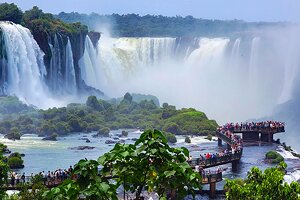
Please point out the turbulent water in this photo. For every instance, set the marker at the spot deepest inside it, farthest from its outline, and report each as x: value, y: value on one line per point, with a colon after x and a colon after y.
x: 230, y: 78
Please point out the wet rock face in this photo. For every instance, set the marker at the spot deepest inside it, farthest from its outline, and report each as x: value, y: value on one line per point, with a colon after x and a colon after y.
x: 94, y: 36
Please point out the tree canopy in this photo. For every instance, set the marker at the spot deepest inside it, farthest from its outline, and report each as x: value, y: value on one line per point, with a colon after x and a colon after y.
x: 148, y: 165
x: 10, y: 12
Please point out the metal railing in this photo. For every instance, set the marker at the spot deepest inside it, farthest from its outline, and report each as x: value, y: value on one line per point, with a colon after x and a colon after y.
x: 210, y: 178
x: 259, y: 129
x: 226, y: 158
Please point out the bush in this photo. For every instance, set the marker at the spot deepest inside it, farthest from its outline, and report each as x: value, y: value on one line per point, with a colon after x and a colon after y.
x: 10, y: 12
x: 103, y: 132
x: 274, y: 157
x: 15, y: 162
x: 14, y: 134
x: 209, y: 137
x: 187, y: 139
x: 172, y: 127
x: 170, y: 137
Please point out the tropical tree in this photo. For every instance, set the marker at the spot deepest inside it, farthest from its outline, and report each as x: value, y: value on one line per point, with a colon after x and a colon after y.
x: 263, y: 185
x: 88, y: 184
x: 4, y: 169
x: 151, y: 164
x: 10, y: 12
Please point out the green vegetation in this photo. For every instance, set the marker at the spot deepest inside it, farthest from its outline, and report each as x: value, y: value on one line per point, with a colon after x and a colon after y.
x: 133, y: 25
x: 139, y: 98
x: 289, y: 149
x: 97, y: 115
x: 263, y: 185
x: 209, y: 137
x: 44, y: 28
x: 274, y: 157
x: 150, y: 164
x: 37, y: 21
x: 3, y: 149
x: 15, y: 161
x: 171, y: 138
x: 12, y: 105
x: 103, y: 132
x: 14, y: 134
x: 10, y: 12
x: 30, y: 191
x: 52, y: 137
x: 3, y: 175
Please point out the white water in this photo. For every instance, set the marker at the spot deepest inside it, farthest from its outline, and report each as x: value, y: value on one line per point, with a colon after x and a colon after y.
x: 90, y: 66
x: 293, y: 174
x: 70, y: 71
x: 247, y: 75
x: 25, y: 65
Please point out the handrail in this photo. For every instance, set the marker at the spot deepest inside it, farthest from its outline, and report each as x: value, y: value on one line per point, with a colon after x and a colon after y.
x: 216, y: 160
x: 210, y: 178
x: 224, y: 138
x: 259, y: 129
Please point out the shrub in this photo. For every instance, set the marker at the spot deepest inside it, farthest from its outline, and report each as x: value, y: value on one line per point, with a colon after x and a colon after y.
x: 209, y: 137
x: 274, y: 157
x: 15, y: 162
x: 103, y: 132
x: 14, y: 134
x: 170, y: 137
x: 10, y: 12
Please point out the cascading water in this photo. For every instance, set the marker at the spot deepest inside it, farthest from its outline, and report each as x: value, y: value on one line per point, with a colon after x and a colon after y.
x: 70, y: 71
x: 24, y: 60
x: 56, y: 79
x: 90, y: 65
x: 115, y: 61
x: 228, y: 78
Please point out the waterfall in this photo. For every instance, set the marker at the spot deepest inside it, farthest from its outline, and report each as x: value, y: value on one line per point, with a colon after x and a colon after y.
x: 56, y: 79
x: 70, y: 71
x: 90, y: 65
x: 116, y: 60
x: 249, y: 73
x: 25, y: 69
x: 235, y: 54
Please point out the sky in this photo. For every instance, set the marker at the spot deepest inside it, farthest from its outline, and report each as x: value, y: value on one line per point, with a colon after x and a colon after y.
x: 248, y: 10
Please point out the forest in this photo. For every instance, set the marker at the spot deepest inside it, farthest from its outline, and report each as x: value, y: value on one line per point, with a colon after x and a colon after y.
x: 134, y: 25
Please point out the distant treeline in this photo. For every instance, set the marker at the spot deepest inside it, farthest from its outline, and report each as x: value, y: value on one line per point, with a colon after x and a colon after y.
x: 133, y: 25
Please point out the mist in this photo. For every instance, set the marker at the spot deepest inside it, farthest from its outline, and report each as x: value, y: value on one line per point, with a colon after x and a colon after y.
x: 231, y: 78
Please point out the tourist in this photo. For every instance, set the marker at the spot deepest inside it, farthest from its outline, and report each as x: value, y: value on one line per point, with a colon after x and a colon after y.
x: 23, y: 177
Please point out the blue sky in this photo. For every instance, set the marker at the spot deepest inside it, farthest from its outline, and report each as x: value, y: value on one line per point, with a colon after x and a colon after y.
x: 249, y: 10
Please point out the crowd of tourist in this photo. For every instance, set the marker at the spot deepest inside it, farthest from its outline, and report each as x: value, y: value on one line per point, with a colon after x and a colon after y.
x: 48, y: 178
x: 253, y: 126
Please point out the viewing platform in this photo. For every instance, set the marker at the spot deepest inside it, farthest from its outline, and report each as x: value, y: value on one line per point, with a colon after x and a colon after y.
x: 216, y: 161
x: 259, y: 134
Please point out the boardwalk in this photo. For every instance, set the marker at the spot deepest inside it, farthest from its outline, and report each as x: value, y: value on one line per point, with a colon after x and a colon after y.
x: 206, y: 179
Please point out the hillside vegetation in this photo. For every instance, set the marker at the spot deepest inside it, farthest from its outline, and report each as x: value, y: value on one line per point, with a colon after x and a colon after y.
x: 97, y: 114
